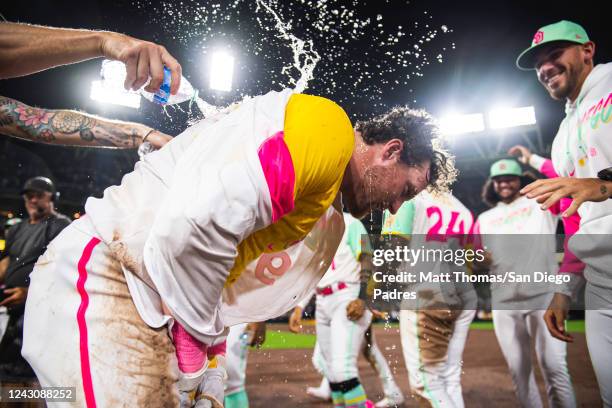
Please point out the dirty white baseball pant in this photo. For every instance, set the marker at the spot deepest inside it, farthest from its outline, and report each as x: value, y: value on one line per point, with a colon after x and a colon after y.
x: 433, y: 354
x: 82, y: 329
x: 598, y: 322
x: 514, y: 330
x: 318, y: 361
x: 339, y: 338
x: 378, y: 361
x: 236, y: 359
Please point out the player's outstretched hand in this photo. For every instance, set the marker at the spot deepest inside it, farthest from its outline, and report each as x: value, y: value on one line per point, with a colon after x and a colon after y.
x: 355, y: 309
x: 548, y: 191
x: 555, y: 317
x: 295, y: 320
x: 143, y: 60
x: 521, y: 152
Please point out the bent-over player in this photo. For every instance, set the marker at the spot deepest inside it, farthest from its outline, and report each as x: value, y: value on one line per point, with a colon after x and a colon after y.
x: 158, y: 250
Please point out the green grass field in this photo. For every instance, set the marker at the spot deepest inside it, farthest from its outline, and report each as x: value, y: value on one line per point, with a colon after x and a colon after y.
x: 573, y: 326
x: 277, y: 339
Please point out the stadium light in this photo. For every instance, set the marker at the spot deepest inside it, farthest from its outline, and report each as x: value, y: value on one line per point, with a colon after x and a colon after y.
x: 116, y: 96
x: 458, y: 124
x: 511, y: 117
x: 221, y: 71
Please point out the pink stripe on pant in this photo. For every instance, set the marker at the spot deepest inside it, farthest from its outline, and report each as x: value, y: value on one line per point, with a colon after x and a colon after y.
x: 83, y: 340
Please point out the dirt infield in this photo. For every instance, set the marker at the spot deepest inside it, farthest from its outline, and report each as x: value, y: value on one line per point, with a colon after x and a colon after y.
x: 278, y: 378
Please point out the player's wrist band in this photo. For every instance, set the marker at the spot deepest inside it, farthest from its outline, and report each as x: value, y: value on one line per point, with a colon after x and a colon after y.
x: 144, y: 139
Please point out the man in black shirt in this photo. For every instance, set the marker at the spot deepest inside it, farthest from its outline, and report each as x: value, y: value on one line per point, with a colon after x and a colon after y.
x: 25, y: 242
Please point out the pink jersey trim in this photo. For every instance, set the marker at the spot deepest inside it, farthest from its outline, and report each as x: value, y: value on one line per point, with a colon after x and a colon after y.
x: 570, y: 263
x: 278, y: 169
x: 190, y: 352
x: 218, y: 349
x: 547, y: 169
x: 90, y: 398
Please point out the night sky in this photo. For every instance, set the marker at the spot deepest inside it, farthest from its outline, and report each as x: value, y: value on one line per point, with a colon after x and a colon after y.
x: 475, y: 75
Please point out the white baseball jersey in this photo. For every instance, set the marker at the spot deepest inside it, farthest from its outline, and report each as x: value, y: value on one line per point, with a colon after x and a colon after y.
x: 445, y: 216
x: 283, y: 278
x: 431, y: 221
x: 523, y: 256
x: 581, y: 149
x: 174, y: 187
x: 191, y: 217
x: 346, y: 266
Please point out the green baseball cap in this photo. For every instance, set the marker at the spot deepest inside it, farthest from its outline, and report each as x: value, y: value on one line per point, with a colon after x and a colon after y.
x: 560, y: 31
x: 506, y: 167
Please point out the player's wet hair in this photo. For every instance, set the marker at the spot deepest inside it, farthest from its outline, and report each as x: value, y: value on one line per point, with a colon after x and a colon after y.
x: 491, y: 198
x: 420, y: 133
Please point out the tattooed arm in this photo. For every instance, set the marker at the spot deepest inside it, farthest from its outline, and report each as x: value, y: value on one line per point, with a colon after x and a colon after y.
x: 25, y: 49
x: 72, y: 128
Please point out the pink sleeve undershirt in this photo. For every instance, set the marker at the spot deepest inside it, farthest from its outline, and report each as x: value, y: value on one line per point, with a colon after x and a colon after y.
x: 570, y: 264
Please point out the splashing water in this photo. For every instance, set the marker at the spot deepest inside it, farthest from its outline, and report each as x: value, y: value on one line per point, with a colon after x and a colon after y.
x: 305, y: 58
x: 360, y: 54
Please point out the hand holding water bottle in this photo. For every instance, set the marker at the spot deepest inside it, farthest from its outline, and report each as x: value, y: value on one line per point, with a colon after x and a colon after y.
x: 113, y: 74
x: 143, y: 60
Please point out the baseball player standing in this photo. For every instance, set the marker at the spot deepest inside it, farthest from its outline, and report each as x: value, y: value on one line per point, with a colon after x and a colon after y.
x: 373, y: 354
x: 518, y: 308
x: 342, y: 321
x: 571, y: 265
x: 562, y: 56
x: 433, y: 338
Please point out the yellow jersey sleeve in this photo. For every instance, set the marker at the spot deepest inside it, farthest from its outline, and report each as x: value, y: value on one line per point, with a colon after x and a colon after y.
x: 320, y: 140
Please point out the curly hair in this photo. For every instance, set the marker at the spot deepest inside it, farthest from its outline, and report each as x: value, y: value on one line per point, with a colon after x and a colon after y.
x: 491, y: 198
x: 420, y: 133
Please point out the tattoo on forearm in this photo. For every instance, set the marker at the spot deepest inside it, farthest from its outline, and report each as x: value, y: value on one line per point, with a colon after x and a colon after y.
x: 72, y: 122
x: 6, y: 105
x: 29, y: 121
x: 120, y: 135
x: 46, y: 126
x: 604, y: 190
x: 5, y: 119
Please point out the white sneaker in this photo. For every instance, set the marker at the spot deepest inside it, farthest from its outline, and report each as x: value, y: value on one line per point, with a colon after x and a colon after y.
x: 390, y: 402
x: 319, y: 392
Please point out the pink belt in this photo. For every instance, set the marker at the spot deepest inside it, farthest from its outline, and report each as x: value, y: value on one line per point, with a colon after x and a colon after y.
x: 328, y: 290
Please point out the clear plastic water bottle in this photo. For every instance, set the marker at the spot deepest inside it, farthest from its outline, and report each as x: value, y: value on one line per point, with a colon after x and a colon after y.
x: 186, y: 92
x: 113, y: 76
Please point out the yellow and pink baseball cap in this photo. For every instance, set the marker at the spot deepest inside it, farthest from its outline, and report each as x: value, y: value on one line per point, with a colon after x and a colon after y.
x: 560, y: 31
